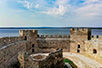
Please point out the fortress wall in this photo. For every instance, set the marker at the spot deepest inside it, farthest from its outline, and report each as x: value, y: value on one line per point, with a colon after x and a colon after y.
x: 96, y: 37
x: 53, y: 60
x: 47, y: 44
x: 8, y: 40
x: 94, y: 50
x: 9, y: 53
x: 54, y: 36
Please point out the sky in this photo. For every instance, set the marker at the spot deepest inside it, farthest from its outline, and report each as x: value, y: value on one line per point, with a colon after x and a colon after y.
x: 50, y: 13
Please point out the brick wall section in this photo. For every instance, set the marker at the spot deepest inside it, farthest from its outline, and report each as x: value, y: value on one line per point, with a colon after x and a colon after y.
x: 9, y: 53
x: 7, y: 40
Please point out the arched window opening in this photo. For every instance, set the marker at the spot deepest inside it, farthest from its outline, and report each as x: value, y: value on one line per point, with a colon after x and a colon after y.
x: 32, y: 50
x: 73, y: 29
x: 32, y: 45
x: 94, y: 51
x: 97, y: 36
x: 78, y: 51
x: 78, y: 46
x: 25, y: 38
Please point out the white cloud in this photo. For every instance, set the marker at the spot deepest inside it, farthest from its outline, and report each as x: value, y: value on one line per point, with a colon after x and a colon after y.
x: 26, y: 4
x: 37, y: 6
x: 56, y: 11
x: 90, y: 9
x: 29, y: 5
x: 60, y: 10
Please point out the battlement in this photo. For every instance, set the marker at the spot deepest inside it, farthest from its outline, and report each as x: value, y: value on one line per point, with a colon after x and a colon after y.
x: 95, y: 37
x: 83, y: 30
x: 24, y: 32
x: 54, y: 36
x: 28, y: 34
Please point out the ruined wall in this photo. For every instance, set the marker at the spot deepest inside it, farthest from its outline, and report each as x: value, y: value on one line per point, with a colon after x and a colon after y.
x: 78, y: 36
x: 53, y: 60
x: 9, y: 53
x: 7, y: 40
x: 93, y: 49
x: 48, y: 44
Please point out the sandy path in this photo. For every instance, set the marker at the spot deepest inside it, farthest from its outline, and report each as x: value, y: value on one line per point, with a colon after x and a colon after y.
x: 82, y: 61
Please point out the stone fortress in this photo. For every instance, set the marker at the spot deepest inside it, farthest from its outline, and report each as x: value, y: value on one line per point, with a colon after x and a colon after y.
x: 34, y: 51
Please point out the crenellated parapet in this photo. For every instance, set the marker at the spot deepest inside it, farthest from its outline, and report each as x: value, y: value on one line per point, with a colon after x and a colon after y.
x: 54, y: 36
x: 28, y: 34
x: 25, y: 32
x: 96, y: 37
x: 81, y: 30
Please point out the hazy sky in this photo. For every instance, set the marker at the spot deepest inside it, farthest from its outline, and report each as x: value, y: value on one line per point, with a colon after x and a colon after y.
x: 60, y: 13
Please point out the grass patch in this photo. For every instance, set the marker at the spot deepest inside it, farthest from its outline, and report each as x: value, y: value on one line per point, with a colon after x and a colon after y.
x: 70, y: 62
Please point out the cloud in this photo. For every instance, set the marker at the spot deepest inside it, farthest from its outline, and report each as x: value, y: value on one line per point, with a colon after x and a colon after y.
x: 37, y: 6
x: 59, y: 8
x: 90, y: 9
x: 29, y: 5
x: 26, y: 4
x: 56, y: 11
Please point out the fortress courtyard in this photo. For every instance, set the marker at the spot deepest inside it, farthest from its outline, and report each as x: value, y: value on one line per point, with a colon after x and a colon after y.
x: 30, y: 50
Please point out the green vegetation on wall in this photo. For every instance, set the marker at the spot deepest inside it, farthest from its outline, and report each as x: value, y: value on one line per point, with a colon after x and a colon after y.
x: 70, y: 62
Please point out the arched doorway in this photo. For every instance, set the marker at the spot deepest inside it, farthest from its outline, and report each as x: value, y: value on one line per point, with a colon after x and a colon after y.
x: 94, y: 51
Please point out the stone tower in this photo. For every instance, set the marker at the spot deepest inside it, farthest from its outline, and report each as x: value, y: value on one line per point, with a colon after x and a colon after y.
x: 78, y: 36
x: 31, y: 36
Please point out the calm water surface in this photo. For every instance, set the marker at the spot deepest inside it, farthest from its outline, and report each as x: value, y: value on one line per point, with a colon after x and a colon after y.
x: 15, y: 32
